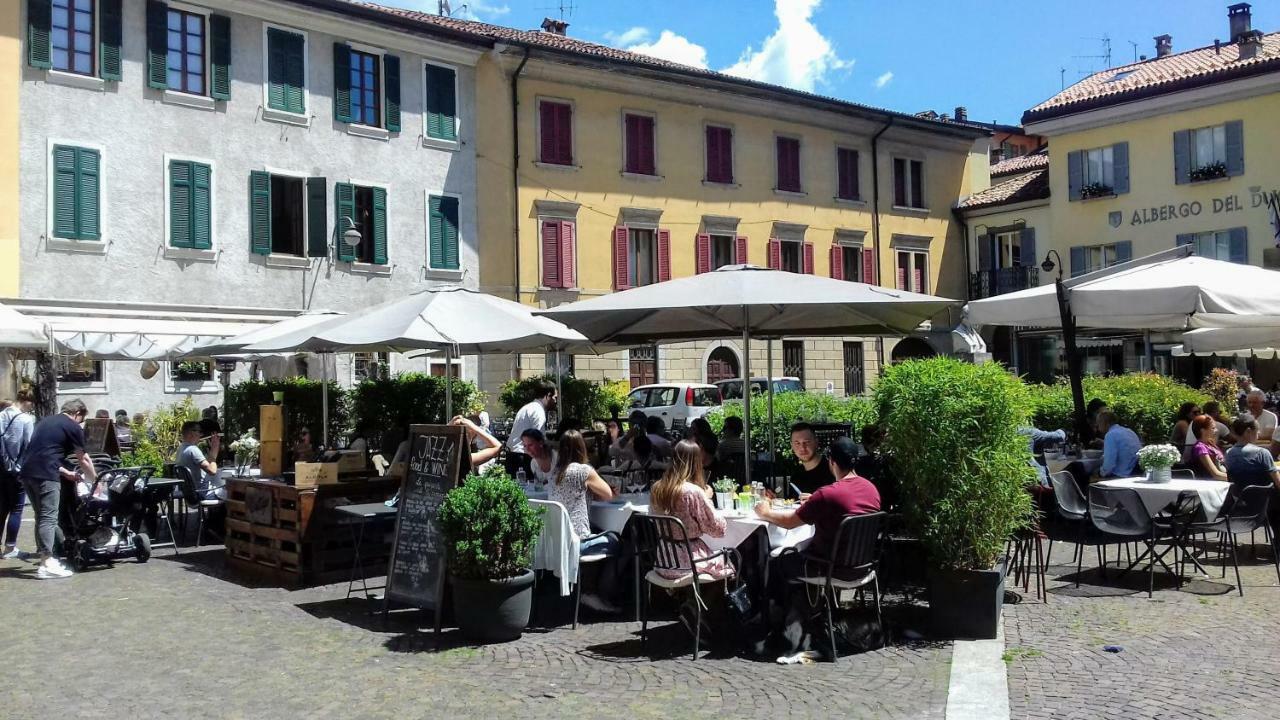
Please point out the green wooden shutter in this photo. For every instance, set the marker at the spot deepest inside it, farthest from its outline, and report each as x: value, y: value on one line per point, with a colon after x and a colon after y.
x: 157, y: 45
x: 64, y: 192
x: 449, y: 211
x: 201, y: 206
x: 296, y: 75
x: 286, y: 73
x: 435, y: 232
x: 220, y: 57
x: 441, y: 103
x: 391, y: 81
x: 276, y: 68
x: 39, y: 32
x: 342, y: 83
x: 88, y: 195
x: 317, y: 218
x: 111, y: 28
x: 344, y: 195
x: 260, y: 212
x: 179, y: 204
x: 379, y: 226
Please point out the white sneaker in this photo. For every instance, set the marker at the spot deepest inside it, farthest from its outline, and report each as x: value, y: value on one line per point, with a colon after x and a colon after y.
x: 51, y: 569
x: 11, y: 552
x: 600, y: 605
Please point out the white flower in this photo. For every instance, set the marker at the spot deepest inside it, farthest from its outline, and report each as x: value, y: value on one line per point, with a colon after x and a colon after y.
x: 1159, y: 456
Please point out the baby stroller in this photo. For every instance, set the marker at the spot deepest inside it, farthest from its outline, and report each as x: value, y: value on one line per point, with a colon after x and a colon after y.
x: 103, y: 520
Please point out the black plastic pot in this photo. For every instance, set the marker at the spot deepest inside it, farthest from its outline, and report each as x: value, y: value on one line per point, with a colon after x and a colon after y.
x: 965, y: 604
x: 493, y: 610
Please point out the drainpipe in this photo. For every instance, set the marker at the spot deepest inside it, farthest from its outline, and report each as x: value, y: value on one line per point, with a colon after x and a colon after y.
x: 515, y: 189
x: 875, y: 217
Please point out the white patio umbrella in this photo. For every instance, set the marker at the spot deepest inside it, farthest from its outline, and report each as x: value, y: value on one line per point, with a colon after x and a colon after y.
x: 457, y: 320
x: 18, y: 331
x: 1235, y: 341
x: 751, y: 301
x: 234, y: 346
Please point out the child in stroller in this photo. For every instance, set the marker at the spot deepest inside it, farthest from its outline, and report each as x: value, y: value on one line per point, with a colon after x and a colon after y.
x: 105, y: 520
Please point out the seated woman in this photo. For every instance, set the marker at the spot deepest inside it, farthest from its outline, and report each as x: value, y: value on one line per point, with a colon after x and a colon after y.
x: 1206, y: 459
x: 700, y: 432
x: 682, y: 493
x: 542, y: 459
x: 575, y: 479
x: 487, y: 445
x: 1187, y: 412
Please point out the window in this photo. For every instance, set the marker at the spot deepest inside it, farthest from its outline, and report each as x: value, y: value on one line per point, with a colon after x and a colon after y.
x: 643, y: 362
x: 850, y: 259
x: 641, y: 157
x: 847, y: 174
x: 370, y: 366
x: 437, y: 367
x: 199, y: 371
x: 186, y: 61
x: 72, y: 36
x: 644, y: 256
x: 1208, y: 147
x: 793, y: 359
x: 854, y: 372
x: 791, y: 254
x: 287, y: 216
x: 1008, y: 250
x: 719, y: 154
x: 564, y: 368
x: 286, y: 71
x: 443, y: 229
x: 1099, y: 168
x: 76, y: 193
x: 1229, y: 245
x: 366, y: 90
x: 723, y: 251
x: 442, y: 103
x: 788, y: 158
x: 1086, y: 259
x: 1098, y: 172
x: 79, y: 369
x: 1208, y: 153
x: 364, y: 209
x: 555, y: 128
x: 913, y: 271
x: 558, y: 254
x: 908, y: 183
x: 190, y: 205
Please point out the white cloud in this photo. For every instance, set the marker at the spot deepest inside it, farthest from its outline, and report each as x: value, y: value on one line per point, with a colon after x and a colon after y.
x: 883, y: 80
x: 673, y: 47
x: 632, y: 36
x: 796, y: 55
x: 479, y: 9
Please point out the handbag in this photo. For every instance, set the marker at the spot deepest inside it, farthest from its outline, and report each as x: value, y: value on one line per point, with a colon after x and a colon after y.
x: 741, y: 604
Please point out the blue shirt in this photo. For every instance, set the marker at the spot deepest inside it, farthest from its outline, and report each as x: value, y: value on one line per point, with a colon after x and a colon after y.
x: 1119, y: 452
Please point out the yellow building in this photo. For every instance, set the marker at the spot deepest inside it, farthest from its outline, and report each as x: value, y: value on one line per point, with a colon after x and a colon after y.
x: 1172, y: 150
x: 614, y: 170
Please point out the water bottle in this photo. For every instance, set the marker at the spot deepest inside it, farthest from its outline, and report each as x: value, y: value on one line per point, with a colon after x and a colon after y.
x: 520, y: 477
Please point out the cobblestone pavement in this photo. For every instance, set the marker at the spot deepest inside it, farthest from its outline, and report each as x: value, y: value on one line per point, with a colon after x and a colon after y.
x: 177, y: 638
x: 1199, y: 652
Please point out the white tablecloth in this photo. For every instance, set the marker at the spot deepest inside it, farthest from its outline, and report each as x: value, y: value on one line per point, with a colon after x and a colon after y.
x: 1057, y: 466
x: 1158, y: 496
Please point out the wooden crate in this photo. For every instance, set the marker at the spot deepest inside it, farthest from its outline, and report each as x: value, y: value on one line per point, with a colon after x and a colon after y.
x: 292, y: 536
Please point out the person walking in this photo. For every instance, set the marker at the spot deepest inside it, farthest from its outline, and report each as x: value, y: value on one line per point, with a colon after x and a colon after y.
x: 16, y: 425
x: 42, y: 473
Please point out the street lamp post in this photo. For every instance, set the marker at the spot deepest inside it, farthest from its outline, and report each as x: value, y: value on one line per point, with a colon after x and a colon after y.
x: 1075, y: 373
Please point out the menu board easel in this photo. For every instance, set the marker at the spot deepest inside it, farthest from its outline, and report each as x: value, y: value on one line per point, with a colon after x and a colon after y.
x: 100, y: 437
x: 438, y: 461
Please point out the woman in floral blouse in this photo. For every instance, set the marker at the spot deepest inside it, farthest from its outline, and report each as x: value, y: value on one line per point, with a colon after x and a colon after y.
x: 683, y: 493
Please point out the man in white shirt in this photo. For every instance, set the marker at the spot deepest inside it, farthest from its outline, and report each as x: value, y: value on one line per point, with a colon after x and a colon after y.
x: 533, y: 416
x: 1266, y: 419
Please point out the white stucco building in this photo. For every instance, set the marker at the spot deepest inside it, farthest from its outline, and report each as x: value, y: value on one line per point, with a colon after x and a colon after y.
x: 197, y: 165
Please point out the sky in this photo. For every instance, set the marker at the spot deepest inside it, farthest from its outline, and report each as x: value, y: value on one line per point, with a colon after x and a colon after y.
x: 995, y: 58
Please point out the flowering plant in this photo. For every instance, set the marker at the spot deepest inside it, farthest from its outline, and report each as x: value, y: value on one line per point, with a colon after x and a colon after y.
x: 246, y: 448
x: 1156, y: 457
x: 724, y: 485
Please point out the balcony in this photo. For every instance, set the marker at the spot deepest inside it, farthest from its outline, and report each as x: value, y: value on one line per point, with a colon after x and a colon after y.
x: 989, y: 283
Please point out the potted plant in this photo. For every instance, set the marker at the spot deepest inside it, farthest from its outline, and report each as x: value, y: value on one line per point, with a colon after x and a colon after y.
x: 489, y: 530
x: 1158, y: 461
x: 1095, y: 190
x: 245, y: 449
x: 1212, y: 171
x: 724, y: 488
x: 962, y: 467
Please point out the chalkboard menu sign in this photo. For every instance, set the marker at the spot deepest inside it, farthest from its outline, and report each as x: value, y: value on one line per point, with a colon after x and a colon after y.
x: 100, y: 437
x: 438, y: 459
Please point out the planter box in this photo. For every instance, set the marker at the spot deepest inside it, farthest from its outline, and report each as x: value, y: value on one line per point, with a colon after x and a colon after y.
x: 965, y: 604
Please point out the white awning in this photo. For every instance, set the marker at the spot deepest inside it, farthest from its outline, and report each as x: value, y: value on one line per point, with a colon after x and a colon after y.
x: 139, y: 331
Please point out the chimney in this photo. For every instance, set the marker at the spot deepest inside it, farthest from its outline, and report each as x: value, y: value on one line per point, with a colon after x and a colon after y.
x: 962, y: 114
x: 1241, y: 20
x: 1250, y: 44
x: 555, y: 27
x: 1164, y: 45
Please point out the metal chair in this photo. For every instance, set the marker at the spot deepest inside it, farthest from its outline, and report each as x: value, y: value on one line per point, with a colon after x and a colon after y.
x: 1073, y: 508
x: 192, y: 498
x: 1183, y: 474
x: 589, y: 560
x: 852, y: 565
x: 1246, y: 514
x: 659, y: 538
x: 1120, y: 513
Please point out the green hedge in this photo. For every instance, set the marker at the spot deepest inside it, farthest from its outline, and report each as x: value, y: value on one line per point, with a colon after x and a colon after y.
x: 790, y: 408
x: 1146, y: 403
x: 581, y: 399
x: 962, y: 467
x: 393, y: 404
x: 302, y: 407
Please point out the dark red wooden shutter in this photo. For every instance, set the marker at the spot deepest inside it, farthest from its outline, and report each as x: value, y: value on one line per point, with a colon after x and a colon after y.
x: 547, y: 130
x: 775, y: 253
x: 648, y: 146
x: 551, y: 264
x: 632, y: 139
x: 837, y: 262
x: 868, y: 267
x: 713, y: 154
x: 640, y: 153
x: 564, y: 133
x: 899, y: 182
x: 568, y: 258
x: 621, y: 259
x: 847, y: 168
x: 917, y: 280
x: 788, y: 152
x: 902, y: 275
x: 702, y: 252
x: 664, y: 255
x: 719, y: 154
x: 808, y: 259
x: 740, y: 249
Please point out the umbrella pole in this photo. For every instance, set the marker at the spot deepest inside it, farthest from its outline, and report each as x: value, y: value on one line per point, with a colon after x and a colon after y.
x: 769, y: 384
x: 746, y: 394
x: 1074, y: 371
x: 324, y: 401
x: 560, y: 393
x: 448, y: 383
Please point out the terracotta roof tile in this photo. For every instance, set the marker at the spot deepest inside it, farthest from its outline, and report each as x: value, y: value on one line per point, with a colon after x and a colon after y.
x: 1020, y: 164
x: 1023, y: 188
x: 1171, y: 73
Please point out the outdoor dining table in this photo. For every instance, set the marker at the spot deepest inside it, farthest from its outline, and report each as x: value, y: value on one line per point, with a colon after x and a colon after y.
x: 1158, y: 496
x: 1060, y: 463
